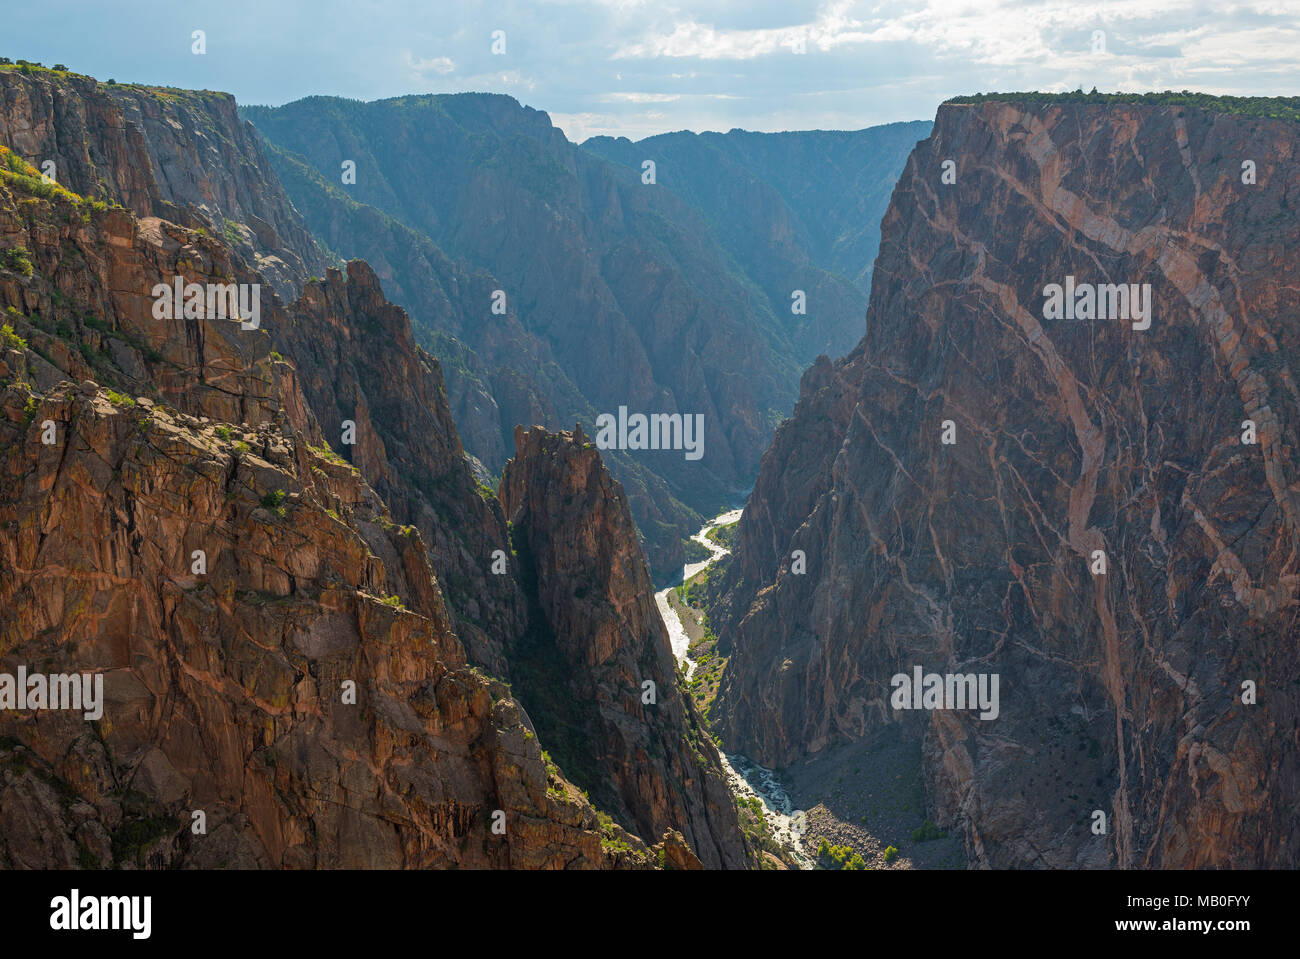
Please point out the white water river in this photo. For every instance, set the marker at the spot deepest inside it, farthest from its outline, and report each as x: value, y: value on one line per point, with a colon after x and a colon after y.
x: 746, y: 778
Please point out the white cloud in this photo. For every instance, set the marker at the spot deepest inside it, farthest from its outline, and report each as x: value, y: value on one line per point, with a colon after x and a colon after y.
x: 439, y: 65
x: 638, y: 97
x: 991, y: 32
x: 692, y: 39
x: 500, y: 78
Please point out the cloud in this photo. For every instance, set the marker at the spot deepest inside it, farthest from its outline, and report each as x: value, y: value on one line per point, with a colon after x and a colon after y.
x: 638, y: 97
x: 514, y: 79
x: 832, y: 26
x: 439, y: 65
x: 692, y: 39
x: 699, y: 64
x: 986, y: 32
x: 662, y: 97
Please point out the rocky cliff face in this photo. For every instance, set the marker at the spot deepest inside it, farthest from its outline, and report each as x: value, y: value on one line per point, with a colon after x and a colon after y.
x: 225, y: 670
x: 601, y: 646
x: 113, y: 136
x: 358, y: 363
x: 1075, y: 441
x: 523, y: 383
x: 182, y: 155
x: 290, y: 638
x: 836, y: 183
x: 672, y: 296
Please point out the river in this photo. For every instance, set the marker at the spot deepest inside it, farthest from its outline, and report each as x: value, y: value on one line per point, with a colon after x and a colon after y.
x: 746, y: 778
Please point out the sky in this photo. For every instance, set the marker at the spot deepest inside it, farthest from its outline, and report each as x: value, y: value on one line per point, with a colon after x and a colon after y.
x: 635, y: 68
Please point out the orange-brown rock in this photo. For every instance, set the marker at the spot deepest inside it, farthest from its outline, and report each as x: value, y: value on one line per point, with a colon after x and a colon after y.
x: 225, y: 692
x: 357, y: 360
x: 182, y: 155
x: 225, y: 684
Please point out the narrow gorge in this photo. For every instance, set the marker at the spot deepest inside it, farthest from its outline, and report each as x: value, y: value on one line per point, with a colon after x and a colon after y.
x: 304, y: 463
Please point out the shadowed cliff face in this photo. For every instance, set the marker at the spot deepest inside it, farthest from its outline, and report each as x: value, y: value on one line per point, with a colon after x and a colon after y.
x: 671, y: 296
x: 511, y: 378
x: 623, y: 283
x: 599, y: 641
x: 357, y: 361
x: 1119, y: 691
x: 795, y: 211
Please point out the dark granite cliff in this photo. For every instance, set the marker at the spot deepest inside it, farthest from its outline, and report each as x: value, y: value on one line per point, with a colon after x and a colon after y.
x: 1120, y: 691
x: 183, y: 155
x: 599, y: 642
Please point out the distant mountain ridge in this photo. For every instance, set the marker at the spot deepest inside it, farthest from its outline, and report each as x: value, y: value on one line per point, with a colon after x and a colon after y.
x: 833, y: 185
x: 617, y: 292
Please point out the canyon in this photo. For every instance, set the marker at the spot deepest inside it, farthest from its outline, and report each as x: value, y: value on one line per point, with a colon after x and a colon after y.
x: 372, y: 578
x: 670, y: 298
x: 336, y: 683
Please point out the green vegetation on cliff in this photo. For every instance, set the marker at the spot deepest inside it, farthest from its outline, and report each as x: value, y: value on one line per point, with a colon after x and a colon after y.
x: 1274, y: 108
x: 724, y: 536
x: 695, y: 551
x: 22, y: 176
x: 833, y: 857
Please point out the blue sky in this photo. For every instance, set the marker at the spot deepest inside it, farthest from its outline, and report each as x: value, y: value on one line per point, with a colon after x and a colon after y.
x: 638, y: 67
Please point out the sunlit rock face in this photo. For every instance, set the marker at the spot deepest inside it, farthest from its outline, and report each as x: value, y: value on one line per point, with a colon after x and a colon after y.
x: 263, y: 541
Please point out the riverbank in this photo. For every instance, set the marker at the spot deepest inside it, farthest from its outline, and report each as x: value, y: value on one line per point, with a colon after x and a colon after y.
x: 768, y: 816
x: 864, y: 796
